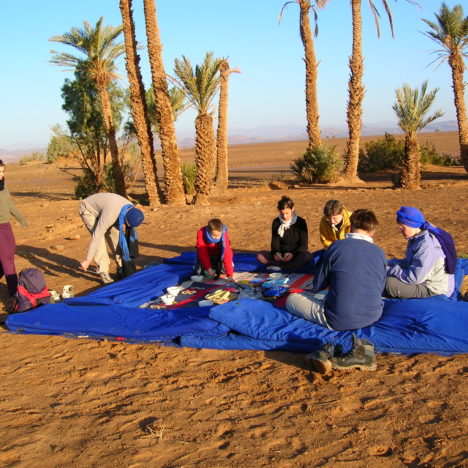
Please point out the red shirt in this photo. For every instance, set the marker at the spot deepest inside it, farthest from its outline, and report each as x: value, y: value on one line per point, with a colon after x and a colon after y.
x: 205, y: 250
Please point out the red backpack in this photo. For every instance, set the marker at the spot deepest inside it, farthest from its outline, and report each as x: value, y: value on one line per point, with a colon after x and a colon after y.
x: 32, y: 290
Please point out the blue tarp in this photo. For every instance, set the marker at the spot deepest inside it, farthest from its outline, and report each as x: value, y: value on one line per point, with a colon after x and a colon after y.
x: 436, y: 325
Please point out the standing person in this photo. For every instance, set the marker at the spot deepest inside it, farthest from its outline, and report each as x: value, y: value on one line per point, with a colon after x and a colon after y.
x: 214, y: 252
x: 335, y: 223
x: 289, y: 240
x: 429, y: 265
x: 7, y: 238
x: 354, y: 271
x: 105, y: 215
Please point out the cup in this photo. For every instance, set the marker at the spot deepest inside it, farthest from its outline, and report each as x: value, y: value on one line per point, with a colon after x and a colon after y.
x: 168, y: 300
x: 173, y: 290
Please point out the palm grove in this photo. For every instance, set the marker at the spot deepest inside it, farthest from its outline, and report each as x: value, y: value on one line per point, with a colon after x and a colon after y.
x: 95, y: 102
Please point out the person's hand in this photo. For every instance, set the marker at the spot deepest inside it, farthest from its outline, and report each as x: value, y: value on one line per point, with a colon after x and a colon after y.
x: 210, y: 273
x: 288, y: 256
x: 278, y: 257
x: 231, y: 278
x: 85, y: 265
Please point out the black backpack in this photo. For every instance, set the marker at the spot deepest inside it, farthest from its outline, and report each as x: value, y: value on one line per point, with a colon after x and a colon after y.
x: 32, y: 290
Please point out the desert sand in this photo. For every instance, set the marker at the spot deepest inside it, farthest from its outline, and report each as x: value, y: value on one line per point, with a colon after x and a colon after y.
x: 78, y: 402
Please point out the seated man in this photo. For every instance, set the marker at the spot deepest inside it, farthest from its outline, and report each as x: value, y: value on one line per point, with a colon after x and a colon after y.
x: 354, y: 270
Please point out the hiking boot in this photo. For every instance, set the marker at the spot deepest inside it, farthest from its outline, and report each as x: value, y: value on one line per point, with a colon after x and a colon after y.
x: 361, y: 356
x: 319, y: 360
x: 105, y: 277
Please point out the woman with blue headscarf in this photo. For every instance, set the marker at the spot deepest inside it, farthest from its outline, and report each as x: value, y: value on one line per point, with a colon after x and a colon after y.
x: 428, y: 267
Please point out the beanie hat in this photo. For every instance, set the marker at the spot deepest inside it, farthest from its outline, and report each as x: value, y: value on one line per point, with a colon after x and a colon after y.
x: 410, y: 216
x: 134, y: 217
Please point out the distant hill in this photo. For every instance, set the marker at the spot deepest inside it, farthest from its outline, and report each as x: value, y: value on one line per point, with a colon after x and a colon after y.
x: 271, y: 133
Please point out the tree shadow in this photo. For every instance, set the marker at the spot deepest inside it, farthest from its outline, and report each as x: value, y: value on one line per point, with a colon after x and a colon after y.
x: 43, y: 195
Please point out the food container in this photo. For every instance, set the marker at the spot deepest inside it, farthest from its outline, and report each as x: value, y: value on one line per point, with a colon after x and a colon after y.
x: 197, y: 278
x: 205, y: 303
x: 168, y: 300
x: 173, y: 290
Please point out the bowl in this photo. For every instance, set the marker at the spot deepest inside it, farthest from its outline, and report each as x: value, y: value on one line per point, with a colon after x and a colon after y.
x: 173, y: 290
x: 197, y: 278
x: 168, y: 300
x: 275, y: 275
x: 205, y: 303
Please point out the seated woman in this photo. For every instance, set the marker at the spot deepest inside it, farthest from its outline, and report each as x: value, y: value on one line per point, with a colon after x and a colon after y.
x: 429, y: 265
x: 335, y: 223
x: 289, y: 240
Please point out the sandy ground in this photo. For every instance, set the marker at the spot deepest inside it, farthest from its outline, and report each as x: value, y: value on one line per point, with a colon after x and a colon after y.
x: 78, y: 402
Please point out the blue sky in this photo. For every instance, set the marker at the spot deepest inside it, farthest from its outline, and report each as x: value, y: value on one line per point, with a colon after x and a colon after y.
x: 270, y: 89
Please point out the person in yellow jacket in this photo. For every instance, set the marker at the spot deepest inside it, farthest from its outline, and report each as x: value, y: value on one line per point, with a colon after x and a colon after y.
x: 335, y: 223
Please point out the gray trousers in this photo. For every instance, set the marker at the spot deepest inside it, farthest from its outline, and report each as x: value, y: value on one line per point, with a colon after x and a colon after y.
x: 101, y: 257
x: 396, y: 288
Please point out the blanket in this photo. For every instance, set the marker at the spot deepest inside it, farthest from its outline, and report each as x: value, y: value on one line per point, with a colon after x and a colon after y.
x: 435, y: 325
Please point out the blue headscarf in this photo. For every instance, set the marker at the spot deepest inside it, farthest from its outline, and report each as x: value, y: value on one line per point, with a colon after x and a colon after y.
x: 132, y: 234
x: 412, y: 217
x: 212, y: 240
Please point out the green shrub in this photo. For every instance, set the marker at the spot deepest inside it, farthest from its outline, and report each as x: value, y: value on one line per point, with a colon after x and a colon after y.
x: 36, y: 156
x: 430, y: 155
x: 189, y: 172
x: 378, y: 155
x: 319, y: 164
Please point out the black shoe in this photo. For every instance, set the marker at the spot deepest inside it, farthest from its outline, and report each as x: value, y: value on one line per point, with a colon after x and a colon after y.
x: 361, y: 356
x: 320, y: 360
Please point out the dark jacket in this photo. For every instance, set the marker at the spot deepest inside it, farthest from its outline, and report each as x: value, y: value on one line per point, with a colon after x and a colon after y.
x: 295, y: 239
x: 354, y: 270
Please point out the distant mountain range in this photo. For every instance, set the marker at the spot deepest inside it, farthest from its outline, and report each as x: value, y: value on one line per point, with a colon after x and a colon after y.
x: 271, y: 133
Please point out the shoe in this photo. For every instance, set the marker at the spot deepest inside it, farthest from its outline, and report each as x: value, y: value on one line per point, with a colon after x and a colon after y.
x: 273, y: 268
x: 319, y: 360
x: 55, y: 296
x: 361, y: 356
x: 105, y: 277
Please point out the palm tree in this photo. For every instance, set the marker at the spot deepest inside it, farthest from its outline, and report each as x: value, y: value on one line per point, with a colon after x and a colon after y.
x: 138, y: 107
x: 100, y: 50
x: 200, y: 86
x: 221, y: 137
x: 176, y: 99
x: 312, y: 112
x: 174, y: 190
x: 411, y: 108
x: 451, y: 33
x: 356, y: 88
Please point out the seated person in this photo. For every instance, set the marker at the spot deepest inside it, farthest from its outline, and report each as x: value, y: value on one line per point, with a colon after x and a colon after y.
x: 429, y: 264
x: 214, y: 252
x: 334, y: 223
x: 289, y: 239
x: 354, y: 270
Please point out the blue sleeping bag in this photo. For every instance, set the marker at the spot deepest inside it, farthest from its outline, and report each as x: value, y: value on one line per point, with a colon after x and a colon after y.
x: 435, y: 325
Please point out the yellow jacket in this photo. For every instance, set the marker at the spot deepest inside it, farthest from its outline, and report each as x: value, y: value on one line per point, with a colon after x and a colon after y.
x: 329, y: 233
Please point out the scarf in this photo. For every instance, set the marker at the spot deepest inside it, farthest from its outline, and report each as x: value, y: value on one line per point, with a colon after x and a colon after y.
x: 122, y: 234
x: 447, y: 244
x: 286, y: 224
x: 212, y: 240
x: 356, y: 235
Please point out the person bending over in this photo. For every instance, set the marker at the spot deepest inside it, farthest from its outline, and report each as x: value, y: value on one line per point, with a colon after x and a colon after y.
x: 105, y: 215
x: 354, y: 271
x: 214, y: 252
x: 428, y: 267
x: 289, y: 239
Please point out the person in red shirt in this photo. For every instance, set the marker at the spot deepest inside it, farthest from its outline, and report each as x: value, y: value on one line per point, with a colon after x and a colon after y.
x: 214, y: 252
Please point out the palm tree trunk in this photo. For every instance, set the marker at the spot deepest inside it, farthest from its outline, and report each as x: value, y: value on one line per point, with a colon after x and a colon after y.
x: 110, y: 131
x: 410, y: 175
x: 205, y: 148
x: 356, y: 96
x: 174, y: 189
x: 222, y: 138
x: 312, y: 112
x: 458, y: 67
x: 138, y: 106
